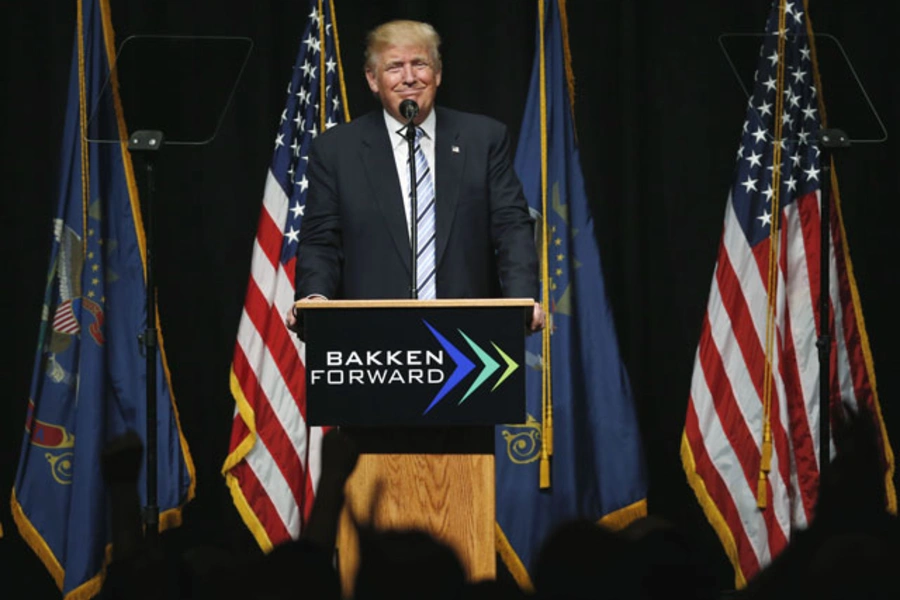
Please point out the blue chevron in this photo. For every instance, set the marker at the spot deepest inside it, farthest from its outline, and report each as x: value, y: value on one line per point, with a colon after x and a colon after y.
x: 464, y: 366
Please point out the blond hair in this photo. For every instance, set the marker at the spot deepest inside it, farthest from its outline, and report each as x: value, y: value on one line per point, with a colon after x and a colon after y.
x: 402, y: 33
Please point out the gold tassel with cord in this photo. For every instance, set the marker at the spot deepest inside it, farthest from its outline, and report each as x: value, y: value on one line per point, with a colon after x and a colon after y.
x: 545, y: 471
x: 765, y: 465
x: 546, y: 390
x: 772, y: 286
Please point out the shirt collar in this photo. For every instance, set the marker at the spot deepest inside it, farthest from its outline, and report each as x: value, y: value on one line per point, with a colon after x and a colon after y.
x: 393, y: 125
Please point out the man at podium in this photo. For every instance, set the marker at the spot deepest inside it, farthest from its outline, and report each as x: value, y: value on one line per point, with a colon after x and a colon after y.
x: 474, y: 236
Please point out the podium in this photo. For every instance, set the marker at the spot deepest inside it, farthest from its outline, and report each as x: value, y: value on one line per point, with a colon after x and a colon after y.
x: 419, y: 386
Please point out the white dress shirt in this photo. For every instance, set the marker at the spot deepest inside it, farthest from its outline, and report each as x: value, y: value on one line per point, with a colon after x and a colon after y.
x: 401, y: 154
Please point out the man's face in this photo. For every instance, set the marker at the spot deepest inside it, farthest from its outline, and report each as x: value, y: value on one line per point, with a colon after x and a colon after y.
x: 403, y: 72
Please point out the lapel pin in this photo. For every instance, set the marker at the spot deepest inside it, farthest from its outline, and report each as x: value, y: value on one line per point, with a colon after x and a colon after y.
x: 454, y: 149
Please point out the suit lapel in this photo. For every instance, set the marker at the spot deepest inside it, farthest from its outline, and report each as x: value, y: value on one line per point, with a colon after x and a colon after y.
x: 381, y: 171
x: 450, y: 158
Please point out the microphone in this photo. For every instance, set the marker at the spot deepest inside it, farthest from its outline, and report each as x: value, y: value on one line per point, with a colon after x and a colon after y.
x: 409, y: 109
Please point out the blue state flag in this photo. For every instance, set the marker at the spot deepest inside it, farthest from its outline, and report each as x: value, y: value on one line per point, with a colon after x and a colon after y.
x: 580, y: 453
x: 89, y: 379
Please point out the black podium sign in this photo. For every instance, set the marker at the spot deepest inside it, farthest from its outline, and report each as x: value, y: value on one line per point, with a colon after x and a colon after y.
x: 402, y: 362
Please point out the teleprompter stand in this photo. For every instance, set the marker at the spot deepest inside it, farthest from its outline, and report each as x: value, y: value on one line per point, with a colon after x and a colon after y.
x: 171, y: 91
x: 848, y: 105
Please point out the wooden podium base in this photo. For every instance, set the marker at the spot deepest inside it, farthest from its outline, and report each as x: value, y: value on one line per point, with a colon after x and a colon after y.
x: 451, y: 496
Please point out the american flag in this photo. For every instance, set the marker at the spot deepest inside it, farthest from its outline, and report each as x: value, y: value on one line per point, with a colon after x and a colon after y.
x: 755, y: 386
x: 273, y: 462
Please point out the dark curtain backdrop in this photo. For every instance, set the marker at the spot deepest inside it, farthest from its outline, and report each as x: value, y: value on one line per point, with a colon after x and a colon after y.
x: 658, y: 116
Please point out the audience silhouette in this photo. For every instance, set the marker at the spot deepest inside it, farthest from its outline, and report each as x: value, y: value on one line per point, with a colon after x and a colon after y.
x: 848, y: 551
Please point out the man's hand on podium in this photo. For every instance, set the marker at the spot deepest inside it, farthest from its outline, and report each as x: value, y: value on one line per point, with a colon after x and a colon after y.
x: 292, y: 318
x: 537, y: 317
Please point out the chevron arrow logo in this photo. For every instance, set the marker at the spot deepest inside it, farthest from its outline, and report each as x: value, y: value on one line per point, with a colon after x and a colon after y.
x: 464, y: 366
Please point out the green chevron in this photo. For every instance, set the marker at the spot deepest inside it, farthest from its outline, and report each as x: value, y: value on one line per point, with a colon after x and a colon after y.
x: 490, y: 365
x: 511, y: 366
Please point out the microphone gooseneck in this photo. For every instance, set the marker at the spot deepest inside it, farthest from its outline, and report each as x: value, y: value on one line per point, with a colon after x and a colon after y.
x: 408, y: 110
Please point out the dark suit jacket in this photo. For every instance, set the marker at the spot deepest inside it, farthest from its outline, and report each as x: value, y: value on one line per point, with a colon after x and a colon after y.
x: 354, y: 240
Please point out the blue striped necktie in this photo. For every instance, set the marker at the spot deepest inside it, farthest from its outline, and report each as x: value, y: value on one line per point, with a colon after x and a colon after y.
x: 425, y: 224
